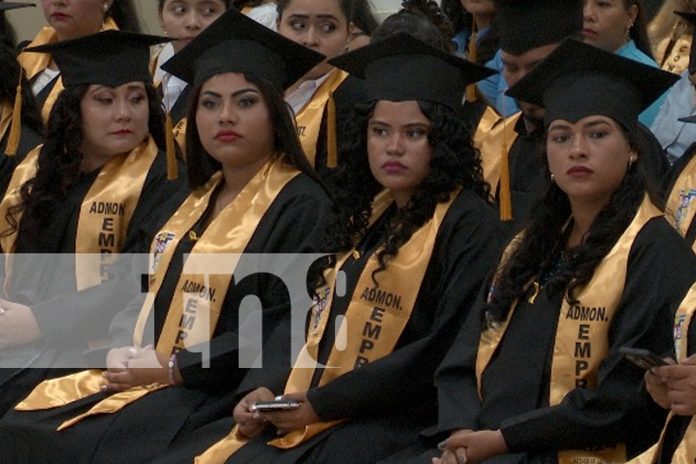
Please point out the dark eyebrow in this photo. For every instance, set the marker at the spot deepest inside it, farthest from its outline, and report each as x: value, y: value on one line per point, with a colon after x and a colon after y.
x: 306, y: 16
x: 235, y: 94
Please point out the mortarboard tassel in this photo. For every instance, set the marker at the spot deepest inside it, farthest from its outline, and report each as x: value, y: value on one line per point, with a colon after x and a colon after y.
x: 504, y: 185
x: 331, y: 144
x: 16, y: 126
x: 471, y: 89
x: 172, y: 168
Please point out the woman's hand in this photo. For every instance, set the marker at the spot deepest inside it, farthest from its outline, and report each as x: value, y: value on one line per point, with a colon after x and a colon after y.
x: 293, y: 419
x: 472, y: 447
x: 251, y: 424
x: 452, y: 454
x: 657, y: 386
x: 17, y: 324
x: 143, y: 367
x: 681, y: 380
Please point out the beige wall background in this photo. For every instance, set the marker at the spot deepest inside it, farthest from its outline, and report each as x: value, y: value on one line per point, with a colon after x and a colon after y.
x: 28, y: 21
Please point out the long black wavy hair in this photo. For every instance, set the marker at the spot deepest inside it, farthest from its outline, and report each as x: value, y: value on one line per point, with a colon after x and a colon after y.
x: 10, y: 70
x: 60, y: 159
x: 201, y: 166
x: 543, y: 242
x: 454, y: 163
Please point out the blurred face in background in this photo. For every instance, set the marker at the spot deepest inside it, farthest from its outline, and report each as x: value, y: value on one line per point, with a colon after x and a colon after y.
x: 607, y: 23
x: 317, y: 24
x: 185, y: 19
x: 75, y: 18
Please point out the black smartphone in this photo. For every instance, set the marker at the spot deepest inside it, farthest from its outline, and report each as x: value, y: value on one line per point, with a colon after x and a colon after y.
x: 275, y: 405
x: 644, y: 359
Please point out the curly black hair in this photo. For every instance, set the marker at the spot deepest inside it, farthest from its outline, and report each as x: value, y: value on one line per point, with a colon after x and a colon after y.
x: 60, y: 159
x: 422, y: 19
x: 454, y: 163
x: 10, y: 70
x: 201, y: 166
x: 540, y: 248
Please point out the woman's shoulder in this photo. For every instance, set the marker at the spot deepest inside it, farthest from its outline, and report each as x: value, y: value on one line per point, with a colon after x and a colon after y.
x: 302, y: 186
x: 659, y: 239
x: 470, y: 215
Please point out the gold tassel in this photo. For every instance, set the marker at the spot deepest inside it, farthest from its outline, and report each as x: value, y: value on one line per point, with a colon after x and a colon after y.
x: 504, y: 194
x: 331, y: 143
x: 16, y: 126
x: 471, y: 88
x: 172, y: 168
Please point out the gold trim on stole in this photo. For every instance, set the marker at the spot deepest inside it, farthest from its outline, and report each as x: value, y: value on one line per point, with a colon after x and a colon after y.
x: 34, y: 63
x: 681, y: 207
x: 362, y: 317
x: 581, y: 341
x: 491, y: 134
x: 310, y: 117
x: 107, y: 209
x: 686, y: 451
x: 229, y: 232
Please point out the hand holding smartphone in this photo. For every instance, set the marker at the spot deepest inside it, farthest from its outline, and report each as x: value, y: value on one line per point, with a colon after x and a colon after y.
x: 275, y: 405
x: 644, y: 359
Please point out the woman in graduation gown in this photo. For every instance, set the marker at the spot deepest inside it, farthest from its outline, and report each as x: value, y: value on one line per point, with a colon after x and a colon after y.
x: 323, y: 98
x: 182, y: 20
x: 536, y: 374
x: 21, y: 131
x: 69, y: 20
x: 672, y: 388
x: 95, y: 186
x: 253, y: 193
x: 417, y: 237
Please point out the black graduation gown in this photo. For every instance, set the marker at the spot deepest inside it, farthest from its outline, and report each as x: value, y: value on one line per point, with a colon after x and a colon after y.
x: 68, y: 317
x: 138, y: 433
x: 389, y: 400
x: 515, y: 384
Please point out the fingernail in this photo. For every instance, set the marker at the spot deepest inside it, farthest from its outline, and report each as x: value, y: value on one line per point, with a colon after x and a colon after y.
x: 104, y: 388
x: 461, y: 459
x: 279, y: 397
x: 442, y: 446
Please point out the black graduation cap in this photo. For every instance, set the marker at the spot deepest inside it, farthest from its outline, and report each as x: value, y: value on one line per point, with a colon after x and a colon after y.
x: 236, y: 43
x: 527, y: 24
x: 579, y: 80
x: 402, y: 68
x: 109, y: 58
x: 6, y: 6
x: 690, y: 17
